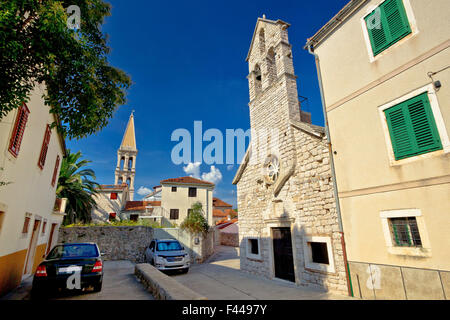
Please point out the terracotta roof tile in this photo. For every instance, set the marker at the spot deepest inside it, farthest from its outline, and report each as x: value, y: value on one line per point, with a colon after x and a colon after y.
x: 220, y: 203
x: 219, y: 213
x: 225, y: 223
x: 140, y: 205
x: 112, y: 186
x: 186, y: 180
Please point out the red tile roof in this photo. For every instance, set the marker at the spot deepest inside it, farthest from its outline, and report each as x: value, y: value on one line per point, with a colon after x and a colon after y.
x: 186, y: 180
x: 140, y: 205
x: 225, y: 223
x: 224, y: 213
x: 219, y: 213
x: 112, y: 186
x: 220, y: 203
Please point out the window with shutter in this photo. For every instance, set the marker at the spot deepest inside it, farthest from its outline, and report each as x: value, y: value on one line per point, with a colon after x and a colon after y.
x: 192, y: 192
x: 412, y: 127
x: 19, y: 128
x: 174, y: 214
x: 387, y: 24
x: 44, y: 149
x: 26, y: 224
x: 55, y: 171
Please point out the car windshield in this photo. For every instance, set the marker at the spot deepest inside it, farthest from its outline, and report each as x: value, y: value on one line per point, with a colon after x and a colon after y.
x: 169, y: 246
x: 73, y: 250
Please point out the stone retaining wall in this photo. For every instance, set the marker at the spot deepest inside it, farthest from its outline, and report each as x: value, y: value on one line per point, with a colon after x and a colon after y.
x: 130, y: 242
x: 162, y: 286
x: 118, y: 243
x: 229, y: 239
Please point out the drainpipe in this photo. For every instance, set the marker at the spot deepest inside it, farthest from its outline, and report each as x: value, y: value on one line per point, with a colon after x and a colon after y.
x: 333, y: 173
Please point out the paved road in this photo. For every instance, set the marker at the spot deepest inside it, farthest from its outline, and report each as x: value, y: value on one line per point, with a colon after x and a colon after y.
x: 221, y: 279
x: 119, y: 283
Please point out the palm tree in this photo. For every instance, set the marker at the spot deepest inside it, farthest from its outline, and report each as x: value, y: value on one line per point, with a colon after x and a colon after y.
x: 76, y: 185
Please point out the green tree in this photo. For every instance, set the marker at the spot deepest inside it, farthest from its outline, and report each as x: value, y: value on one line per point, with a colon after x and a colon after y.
x: 75, y: 184
x: 37, y: 46
x: 195, y: 222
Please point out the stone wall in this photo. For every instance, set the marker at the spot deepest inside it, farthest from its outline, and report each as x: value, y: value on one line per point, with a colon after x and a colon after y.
x: 162, y: 286
x: 129, y: 243
x: 305, y: 204
x: 229, y: 239
x: 199, y: 250
x: 118, y: 243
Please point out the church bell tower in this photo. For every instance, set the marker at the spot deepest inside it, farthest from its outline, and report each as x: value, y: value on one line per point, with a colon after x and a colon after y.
x: 126, y: 158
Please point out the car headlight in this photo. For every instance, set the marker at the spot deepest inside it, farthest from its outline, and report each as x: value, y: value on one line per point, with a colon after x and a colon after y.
x: 159, y: 260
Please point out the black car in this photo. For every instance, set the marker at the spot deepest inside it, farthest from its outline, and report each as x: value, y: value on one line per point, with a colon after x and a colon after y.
x: 70, y: 260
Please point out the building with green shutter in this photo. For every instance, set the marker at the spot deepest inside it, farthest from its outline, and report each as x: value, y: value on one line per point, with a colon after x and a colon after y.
x: 384, y: 73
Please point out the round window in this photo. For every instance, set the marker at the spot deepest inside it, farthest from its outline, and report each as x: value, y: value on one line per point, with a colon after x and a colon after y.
x: 272, y: 169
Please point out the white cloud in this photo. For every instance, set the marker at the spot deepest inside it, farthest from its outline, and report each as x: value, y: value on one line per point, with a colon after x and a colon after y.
x: 214, y: 175
x: 230, y: 167
x: 193, y: 169
x: 143, y: 191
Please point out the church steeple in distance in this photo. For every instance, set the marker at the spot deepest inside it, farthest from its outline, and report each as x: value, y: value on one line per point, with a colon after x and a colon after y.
x: 126, y: 158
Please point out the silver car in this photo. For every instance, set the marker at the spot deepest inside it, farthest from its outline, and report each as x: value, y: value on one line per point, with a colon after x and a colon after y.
x: 167, y: 254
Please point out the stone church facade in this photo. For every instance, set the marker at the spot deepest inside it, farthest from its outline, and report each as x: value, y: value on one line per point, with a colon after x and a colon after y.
x: 288, y: 223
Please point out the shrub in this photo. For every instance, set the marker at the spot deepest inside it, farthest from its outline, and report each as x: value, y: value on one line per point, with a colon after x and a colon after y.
x: 195, y: 222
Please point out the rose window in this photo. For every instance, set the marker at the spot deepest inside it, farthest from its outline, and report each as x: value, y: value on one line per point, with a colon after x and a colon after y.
x: 272, y: 169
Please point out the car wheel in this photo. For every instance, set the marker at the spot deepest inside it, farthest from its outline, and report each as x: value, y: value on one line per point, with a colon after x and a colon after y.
x: 184, y: 270
x: 98, y: 287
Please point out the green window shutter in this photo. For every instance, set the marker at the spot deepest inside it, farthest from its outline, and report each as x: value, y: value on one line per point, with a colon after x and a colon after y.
x: 426, y: 135
x: 394, y: 25
x: 379, y: 38
x: 400, y: 132
x: 397, y: 21
x: 412, y: 127
x: 397, y: 241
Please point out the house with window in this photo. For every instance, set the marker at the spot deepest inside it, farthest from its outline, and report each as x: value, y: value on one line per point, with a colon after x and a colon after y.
x: 222, y: 211
x: 155, y: 195
x: 30, y: 215
x: 150, y: 210
x: 111, y: 200
x: 383, y: 69
x: 179, y: 194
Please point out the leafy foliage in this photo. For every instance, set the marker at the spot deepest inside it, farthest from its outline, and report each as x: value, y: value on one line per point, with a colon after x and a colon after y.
x: 195, y: 222
x: 74, y: 184
x: 36, y: 46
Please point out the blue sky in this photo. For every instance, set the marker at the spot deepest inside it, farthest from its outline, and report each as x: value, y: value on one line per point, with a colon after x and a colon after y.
x: 187, y: 62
